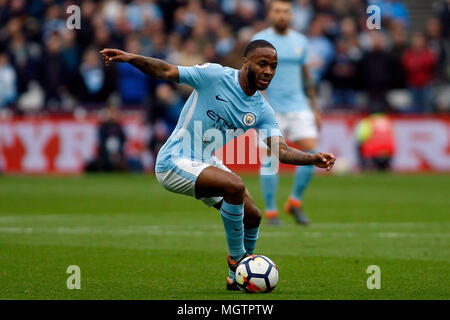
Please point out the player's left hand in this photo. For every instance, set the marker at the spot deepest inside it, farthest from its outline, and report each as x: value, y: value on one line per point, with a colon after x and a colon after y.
x: 324, y: 160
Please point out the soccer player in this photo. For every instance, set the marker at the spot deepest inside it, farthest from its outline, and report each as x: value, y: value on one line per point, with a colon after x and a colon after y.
x: 298, y: 119
x: 224, y: 101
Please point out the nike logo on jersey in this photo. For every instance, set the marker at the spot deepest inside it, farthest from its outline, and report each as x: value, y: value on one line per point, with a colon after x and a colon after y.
x: 220, y: 99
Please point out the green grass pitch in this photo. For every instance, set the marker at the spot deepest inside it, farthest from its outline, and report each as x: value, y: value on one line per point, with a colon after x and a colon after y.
x: 134, y: 240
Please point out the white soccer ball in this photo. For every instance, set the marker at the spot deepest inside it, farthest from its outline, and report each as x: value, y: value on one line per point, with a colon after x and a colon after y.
x: 257, y: 274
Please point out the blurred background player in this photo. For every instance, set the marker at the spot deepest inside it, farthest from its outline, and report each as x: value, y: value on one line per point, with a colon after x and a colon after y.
x: 376, y: 144
x: 298, y: 118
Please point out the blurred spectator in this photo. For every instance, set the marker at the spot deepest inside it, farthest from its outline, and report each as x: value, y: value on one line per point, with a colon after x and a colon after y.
x: 168, y: 105
x: 111, y: 138
x: 26, y: 56
x: 85, y: 35
x: 133, y: 84
x: 53, y: 22
x: 343, y: 74
x: 320, y: 49
x: 442, y: 9
x: 244, y: 12
x: 302, y: 13
x: 419, y: 62
x: 54, y: 82
x: 94, y: 82
x: 439, y: 47
x: 225, y: 41
x: 138, y: 11
x: 326, y: 14
x: 70, y: 52
x: 380, y: 71
x: 190, y: 54
x: 8, y: 80
x: 399, y: 38
x: 354, y: 9
x: 349, y: 32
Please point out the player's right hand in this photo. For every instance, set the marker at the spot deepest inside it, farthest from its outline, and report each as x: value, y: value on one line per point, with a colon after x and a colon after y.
x: 324, y: 160
x: 115, y: 55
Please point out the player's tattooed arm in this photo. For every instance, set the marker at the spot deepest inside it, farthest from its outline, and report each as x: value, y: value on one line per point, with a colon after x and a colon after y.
x: 289, y: 155
x: 153, y: 67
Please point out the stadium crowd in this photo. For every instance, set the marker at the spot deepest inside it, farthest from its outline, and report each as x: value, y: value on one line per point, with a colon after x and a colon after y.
x: 43, y: 64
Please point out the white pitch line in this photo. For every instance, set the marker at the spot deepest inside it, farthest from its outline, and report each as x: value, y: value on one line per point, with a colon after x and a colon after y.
x: 156, y: 230
x: 100, y: 216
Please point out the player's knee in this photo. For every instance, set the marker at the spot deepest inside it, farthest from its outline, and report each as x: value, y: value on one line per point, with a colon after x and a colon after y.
x: 252, y: 217
x: 236, y: 188
x: 257, y: 215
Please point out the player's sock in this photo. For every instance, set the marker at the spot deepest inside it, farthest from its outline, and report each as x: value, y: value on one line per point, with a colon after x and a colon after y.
x: 269, y: 184
x: 303, y: 175
x: 233, y: 221
x: 250, y: 237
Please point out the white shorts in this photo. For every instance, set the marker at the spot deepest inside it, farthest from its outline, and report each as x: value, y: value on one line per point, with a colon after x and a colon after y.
x: 182, y: 177
x: 298, y: 125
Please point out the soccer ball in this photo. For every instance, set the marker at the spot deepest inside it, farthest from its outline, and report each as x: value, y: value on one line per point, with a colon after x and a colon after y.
x: 256, y: 274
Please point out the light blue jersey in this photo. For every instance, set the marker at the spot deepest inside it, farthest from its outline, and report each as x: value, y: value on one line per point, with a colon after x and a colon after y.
x: 215, y: 112
x: 285, y: 93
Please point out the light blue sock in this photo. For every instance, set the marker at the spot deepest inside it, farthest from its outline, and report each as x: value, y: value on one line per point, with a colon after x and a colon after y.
x: 268, y: 174
x: 233, y: 221
x: 250, y: 237
x: 303, y: 175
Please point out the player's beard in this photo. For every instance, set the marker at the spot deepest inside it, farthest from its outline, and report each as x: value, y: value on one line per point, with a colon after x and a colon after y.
x: 281, y: 27
x: 251, y: 78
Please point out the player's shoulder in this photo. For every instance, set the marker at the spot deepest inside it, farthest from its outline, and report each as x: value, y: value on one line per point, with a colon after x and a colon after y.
x: 229, y: 72
x: 215, y: 71
x: 210, y: 66
x: 212, y: 70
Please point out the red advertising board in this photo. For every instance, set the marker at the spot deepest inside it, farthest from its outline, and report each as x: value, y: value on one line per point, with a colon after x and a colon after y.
x: 63, y: 145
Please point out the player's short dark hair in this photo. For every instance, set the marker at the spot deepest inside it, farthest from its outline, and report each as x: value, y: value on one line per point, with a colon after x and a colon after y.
x: 255, y: 44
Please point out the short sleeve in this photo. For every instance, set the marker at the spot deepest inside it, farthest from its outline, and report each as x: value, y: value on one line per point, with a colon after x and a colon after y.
x: 200, y: 75
x: 304, y: 55
x: 267, y: 125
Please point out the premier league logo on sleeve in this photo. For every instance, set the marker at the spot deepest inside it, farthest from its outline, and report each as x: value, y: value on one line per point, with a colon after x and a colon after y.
x: 249, y: 119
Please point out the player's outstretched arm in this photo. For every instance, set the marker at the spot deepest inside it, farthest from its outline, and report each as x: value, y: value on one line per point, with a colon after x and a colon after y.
x: 153, y: 67
x: 290, y: 155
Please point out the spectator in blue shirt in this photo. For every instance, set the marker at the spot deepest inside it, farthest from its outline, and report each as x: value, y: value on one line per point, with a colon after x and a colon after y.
x: 133, y: 84
x: 321, y: 50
